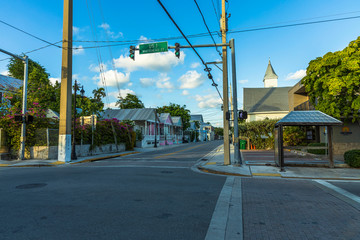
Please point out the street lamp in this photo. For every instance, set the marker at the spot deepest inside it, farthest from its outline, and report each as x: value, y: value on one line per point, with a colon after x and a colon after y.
x: 155, y: 145
x: 82, y: 91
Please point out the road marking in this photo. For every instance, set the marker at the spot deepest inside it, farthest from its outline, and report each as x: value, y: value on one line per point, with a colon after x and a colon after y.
x: 130, y: 166
x: 226, y: 221
x: 354, y: 200
x: 267, y: 174
x: 210, y: 163
x: 165, y: 155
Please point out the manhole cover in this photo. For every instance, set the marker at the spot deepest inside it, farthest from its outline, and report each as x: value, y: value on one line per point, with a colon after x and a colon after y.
x: 31, y: 185
x: 167, y: 172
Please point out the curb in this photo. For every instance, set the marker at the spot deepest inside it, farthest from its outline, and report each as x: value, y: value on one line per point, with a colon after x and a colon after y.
x: 102, y: 158
x: 221, y: 173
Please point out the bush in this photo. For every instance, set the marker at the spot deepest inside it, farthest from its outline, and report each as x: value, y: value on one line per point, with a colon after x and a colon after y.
x: 256, y: 130
x: 352, y: 158
x: 317, y: 151
x: 294, y: 135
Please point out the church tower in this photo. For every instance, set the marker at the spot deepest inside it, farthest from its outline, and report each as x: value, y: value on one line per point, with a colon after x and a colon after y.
x: 270, y: 78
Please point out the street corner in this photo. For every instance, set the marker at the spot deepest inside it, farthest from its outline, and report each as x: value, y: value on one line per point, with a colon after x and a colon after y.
x: 265, y: 171
x: 322, y: 173
x: 99, y: 158
x: 229, y: 170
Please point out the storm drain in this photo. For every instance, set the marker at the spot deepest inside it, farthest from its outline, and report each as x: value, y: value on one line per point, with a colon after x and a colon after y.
x: 31, y: 185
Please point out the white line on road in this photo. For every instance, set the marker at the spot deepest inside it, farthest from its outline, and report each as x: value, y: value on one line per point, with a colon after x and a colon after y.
x: 341, y: 191
x: 226, y: 221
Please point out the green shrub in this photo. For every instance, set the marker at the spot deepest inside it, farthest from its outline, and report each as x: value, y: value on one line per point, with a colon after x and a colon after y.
x: 317, y: 151
x: 294, y: 135
x: 352, y: 158
x: 257, y: 130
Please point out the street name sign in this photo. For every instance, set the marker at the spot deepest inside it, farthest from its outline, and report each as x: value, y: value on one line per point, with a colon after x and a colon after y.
x: 153, y: 47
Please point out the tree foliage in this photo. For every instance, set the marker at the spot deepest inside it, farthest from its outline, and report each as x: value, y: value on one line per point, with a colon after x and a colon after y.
x: 176, y: 110
x: 130, y: 101
x: 332, y: 82
x: 40, y: 90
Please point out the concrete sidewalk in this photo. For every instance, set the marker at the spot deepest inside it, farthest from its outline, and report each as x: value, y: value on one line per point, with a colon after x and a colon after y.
x: 214, y: 163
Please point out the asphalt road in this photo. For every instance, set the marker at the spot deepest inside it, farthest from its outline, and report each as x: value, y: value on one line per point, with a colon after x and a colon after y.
x: 158, y: 197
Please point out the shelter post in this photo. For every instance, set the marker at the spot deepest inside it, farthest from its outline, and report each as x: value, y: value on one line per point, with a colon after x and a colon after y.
x: 330, y: 148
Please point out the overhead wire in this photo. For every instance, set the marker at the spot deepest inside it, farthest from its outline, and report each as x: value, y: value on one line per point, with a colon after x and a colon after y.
x: 98, y: 53
x: 207, y: 69
x: 110, y: 52
x: 32, y: 35
x: 202, y: 15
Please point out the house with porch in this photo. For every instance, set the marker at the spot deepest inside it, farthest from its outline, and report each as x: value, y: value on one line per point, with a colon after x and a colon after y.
x: 166, y: 129
x: 178, y: 129
x: 144, y: 119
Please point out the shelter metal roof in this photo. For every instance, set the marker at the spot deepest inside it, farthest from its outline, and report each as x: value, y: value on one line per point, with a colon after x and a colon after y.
x: 308, y: 118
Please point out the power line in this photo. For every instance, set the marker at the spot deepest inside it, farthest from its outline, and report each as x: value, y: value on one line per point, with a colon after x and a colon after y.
x: 37, y: 49
x: 98, y: 53
x: 206, y: 67
x: 293, y: 25
x: 197, y: 5
x: 29, y: 34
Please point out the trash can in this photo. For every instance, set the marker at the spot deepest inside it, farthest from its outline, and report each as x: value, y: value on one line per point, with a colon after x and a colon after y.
x: 243, y: 144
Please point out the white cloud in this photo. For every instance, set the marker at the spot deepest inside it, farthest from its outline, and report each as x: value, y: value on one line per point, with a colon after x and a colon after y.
x: 243, y: 81
x: 164, y: 82
x: 76, y: 30
x: 113, y: 78
x: 185, y: 92
x: 78, y: 50
x: 195, y: 65
x: 96, y: 68
x: 162, y: 62
x: 6, y: 73
x: 110, y: 105
x: 122, y: 93
x: 191, y: 79
x: 208, y: 101
x: 130, y: 84
x: 111, y: 34
x: 297, y: 75
x: 54, y: 80
x: 147, y: 82
x: 104, y: 26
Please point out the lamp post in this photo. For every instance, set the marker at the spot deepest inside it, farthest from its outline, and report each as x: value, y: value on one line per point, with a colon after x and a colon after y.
x: 82, y: 91
x: 155, y: 145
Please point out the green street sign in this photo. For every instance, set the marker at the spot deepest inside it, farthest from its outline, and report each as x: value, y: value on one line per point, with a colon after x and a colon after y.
x: 153, y: 47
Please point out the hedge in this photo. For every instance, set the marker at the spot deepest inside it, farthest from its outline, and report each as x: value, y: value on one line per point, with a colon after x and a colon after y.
x: 352, y: 158
x: 317, y: 151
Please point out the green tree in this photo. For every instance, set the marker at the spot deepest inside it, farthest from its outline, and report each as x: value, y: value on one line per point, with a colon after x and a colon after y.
x: 219, y: 131
x: 176, y: 110
x: 130, y: 101
x: 91, y: 105
x: 332, y: 82
x: 40, y: 90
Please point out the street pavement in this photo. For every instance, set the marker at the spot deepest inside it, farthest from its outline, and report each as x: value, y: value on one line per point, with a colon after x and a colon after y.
x: 198, y: 197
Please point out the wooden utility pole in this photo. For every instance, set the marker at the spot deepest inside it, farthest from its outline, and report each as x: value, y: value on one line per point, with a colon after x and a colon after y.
x: 64, y: 148
x: 223, y: 29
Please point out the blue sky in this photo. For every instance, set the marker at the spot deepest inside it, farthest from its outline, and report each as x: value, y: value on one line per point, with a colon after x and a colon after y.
x: 159, y: 79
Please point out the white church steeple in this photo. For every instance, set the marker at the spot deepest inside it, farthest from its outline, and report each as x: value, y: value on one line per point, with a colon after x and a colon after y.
x: 270, y: 78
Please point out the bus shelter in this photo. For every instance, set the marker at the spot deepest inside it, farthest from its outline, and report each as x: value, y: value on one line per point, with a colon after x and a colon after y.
x: 303, y: 118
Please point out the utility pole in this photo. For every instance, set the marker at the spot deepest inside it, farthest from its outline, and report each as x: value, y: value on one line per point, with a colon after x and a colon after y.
x: 223, y: 30
x: 237, y: 155
x: 64, y: 148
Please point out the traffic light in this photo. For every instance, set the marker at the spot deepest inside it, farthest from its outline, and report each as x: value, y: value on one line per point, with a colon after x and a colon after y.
x: 177, y: 50
x: 29, y: 119
x: 242, y: 114
x: 132, y: 52
x: 18, y: 118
